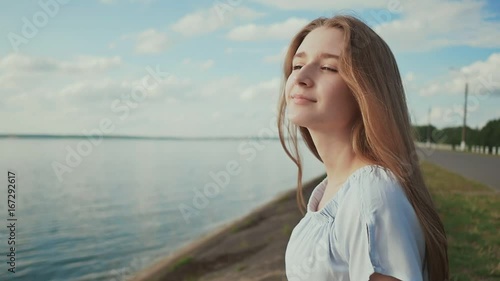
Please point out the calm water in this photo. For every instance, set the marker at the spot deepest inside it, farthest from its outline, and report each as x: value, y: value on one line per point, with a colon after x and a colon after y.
x: 117, y: 211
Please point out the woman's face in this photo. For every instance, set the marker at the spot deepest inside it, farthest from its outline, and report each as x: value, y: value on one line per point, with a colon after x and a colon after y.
x: 315, y: 76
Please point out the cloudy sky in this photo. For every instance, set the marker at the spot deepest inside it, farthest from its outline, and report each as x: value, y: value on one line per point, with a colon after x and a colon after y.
x: 213, y: 68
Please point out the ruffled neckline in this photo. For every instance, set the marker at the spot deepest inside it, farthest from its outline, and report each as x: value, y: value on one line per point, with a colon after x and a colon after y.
x: 329, y: 210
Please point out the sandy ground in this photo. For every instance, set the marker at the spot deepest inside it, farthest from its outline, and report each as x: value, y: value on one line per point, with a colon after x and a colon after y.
x: 251, y: 248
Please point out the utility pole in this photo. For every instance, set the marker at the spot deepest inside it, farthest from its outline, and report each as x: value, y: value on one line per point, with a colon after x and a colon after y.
x: 462, y: 144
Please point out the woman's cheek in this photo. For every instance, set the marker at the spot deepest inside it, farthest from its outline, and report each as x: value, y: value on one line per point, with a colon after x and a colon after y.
x: 288, y: 87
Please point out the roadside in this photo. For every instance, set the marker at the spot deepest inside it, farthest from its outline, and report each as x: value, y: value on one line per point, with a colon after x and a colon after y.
x: 478, y: 167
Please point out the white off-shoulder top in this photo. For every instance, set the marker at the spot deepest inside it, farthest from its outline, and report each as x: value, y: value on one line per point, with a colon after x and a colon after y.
x: 368, y: 226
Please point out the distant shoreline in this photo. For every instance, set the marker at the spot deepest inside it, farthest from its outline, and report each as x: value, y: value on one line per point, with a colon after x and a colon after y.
x: 49, y: 136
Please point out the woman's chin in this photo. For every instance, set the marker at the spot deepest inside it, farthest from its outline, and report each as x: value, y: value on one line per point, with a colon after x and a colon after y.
x: 298, y: 120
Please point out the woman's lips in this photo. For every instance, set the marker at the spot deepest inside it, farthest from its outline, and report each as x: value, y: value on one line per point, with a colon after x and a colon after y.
x: 297, y: 100
x: 301, y: 99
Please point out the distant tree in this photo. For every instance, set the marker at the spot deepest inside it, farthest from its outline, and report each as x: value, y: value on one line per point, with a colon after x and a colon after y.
x: 490, y: 134
x: 450, y: 135
x: 472, y: 136
x: 421, y: 132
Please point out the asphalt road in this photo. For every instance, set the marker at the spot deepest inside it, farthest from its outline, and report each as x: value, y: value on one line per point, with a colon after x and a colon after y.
x: 482, y: 168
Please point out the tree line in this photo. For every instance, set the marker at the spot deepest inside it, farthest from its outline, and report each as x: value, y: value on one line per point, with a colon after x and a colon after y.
x: 488, y: 135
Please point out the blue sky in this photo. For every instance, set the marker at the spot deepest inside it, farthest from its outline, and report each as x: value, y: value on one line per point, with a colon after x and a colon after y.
x: 68, y: 66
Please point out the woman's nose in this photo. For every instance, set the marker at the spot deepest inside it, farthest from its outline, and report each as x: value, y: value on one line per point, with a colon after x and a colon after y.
x: 303, y: 77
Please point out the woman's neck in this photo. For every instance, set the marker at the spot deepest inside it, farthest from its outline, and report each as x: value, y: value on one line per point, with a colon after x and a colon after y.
x: 339, y: 159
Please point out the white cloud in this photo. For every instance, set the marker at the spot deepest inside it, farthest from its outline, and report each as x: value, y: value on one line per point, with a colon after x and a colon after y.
x: 481, y: 75
x: 431, y: 24
x: 267, y: 90
x: 409, y: 77
x: 450, y: 116
x: 150, y: 41
x: 446, y: 95
x: 253, y: 32
x: 37, y: 86
x: 68, y: 106
x: 490, y: 65
x: 207, y: 64
x: 33, y: 81
x: 435, y: 88
x: 90, y: 92
x: 438, y: 113
x: 442, y: 116
x: 327, y: 5
x: 173, y: 86
x: 108, y: 2
x: 203, y: 65
x: 8, y: 81
x: 232, y: 50
x: 412, y: 25
x: 209, y: 20
x: 222, y: 88
x: 16, y: 62
x: 217, y: 115
x: 103, y: 91
x: 280, y: 57
x: 410, y: 86
x: 170, y: 88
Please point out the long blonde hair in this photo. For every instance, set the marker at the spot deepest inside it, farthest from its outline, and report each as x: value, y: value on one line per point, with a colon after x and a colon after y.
x: 383, y: 134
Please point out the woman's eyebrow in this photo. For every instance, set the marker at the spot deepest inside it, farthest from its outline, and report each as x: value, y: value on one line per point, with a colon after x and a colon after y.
x: 322, y: 55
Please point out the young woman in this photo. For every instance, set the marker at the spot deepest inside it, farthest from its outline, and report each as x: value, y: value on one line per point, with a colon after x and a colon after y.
x: 372, y: 217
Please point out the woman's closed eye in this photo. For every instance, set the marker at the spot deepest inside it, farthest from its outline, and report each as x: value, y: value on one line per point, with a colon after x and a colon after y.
x: 329, y: 68
x: 297, y: 67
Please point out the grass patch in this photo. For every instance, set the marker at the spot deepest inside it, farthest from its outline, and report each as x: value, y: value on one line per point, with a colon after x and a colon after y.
x: 471, y: 216
x: 287, y: 229
x: 181, y: 262
x: 241, y: 267
x: 247, y: 223
x: 244, y: 244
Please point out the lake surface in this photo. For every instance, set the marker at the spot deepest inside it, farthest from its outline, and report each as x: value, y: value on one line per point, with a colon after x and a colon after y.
x: 105, y: 211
